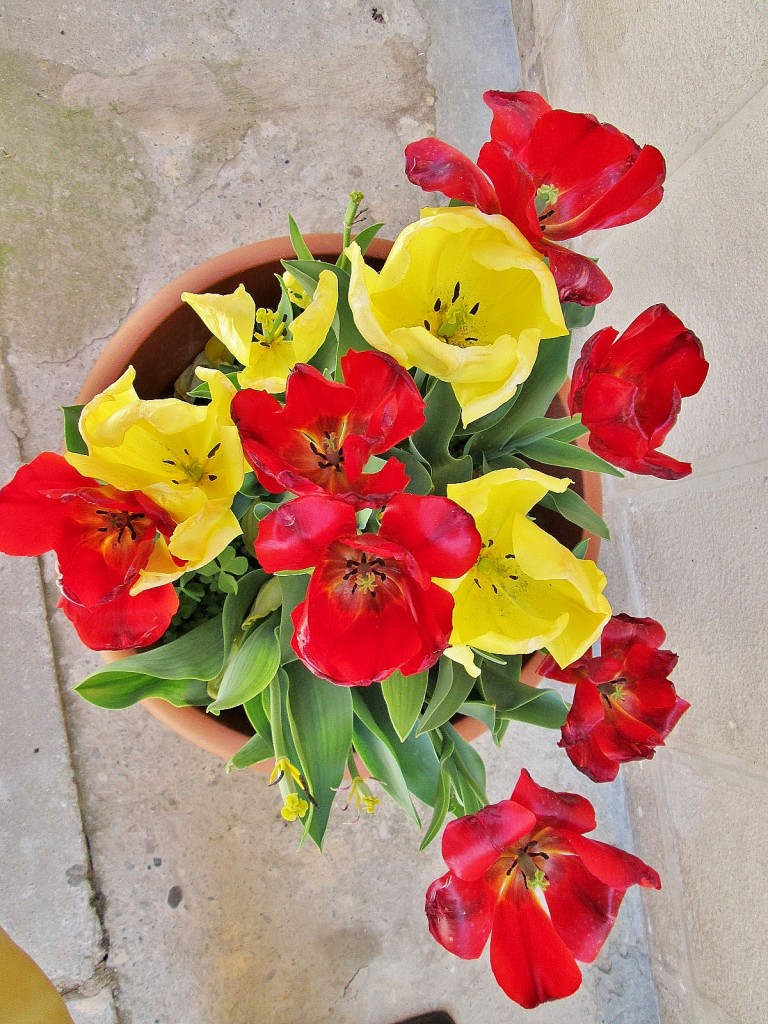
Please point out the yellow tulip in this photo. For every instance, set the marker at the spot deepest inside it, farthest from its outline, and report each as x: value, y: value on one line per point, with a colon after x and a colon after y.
x: 260, y: 340
x: 526, y: 590
x: 464, y: 297
x: 187, y: 458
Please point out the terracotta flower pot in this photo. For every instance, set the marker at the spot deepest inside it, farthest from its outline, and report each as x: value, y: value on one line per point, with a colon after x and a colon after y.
x: 163, y: 336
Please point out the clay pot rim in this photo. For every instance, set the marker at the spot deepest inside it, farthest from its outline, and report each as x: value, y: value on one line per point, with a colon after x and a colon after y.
x: 193, y: 723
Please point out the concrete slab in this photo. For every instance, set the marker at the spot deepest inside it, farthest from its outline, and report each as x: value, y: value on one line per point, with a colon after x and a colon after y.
x: 45, y: 888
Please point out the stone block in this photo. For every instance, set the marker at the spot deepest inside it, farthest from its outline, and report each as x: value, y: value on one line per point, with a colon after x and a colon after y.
x: 696, y: 554
x: 664, y: 73
x: 717, y: 817
x: 701, y: 256
x: 45, y: 890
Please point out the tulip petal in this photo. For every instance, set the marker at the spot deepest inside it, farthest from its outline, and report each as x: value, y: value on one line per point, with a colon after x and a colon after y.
x: 440, y: 535
x: 529, y: 960
x: 610, y: 865
x: 556, y: 810
x: 124, y: 623
x: 230, y: 318
x: 460, y: 915
x: 437, y: 167
x: 295, y: 535
x: 472, y: 844
x: 582, y: 907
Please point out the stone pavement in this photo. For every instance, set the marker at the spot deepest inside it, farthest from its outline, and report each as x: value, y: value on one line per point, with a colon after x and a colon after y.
x: 138, y: 139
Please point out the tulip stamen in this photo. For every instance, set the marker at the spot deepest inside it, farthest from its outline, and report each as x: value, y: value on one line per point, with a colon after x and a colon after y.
x: 329, y: 453
x: 120, y: 522
x: 364, y: 574
x: 453, y: 319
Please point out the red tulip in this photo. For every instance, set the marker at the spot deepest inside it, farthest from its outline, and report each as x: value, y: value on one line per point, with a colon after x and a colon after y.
x: 319, y: 442
x: 371, y: 605
x: 554, y: 174
x: 628, y: 390
x: 522, y: 872
x: 102, y: 538
x: 624, y: 706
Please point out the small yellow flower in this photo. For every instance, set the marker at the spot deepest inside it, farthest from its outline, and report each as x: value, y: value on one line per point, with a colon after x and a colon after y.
x: 260, y: 340
x: 464, y: 297
x: 294, y: 807
x: 361, y: 796
x: 283, y: 768
x: 187, y: 458
x: 526, y: 590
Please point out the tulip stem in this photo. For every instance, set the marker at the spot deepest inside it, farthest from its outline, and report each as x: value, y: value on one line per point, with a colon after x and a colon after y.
x: 350, y: 215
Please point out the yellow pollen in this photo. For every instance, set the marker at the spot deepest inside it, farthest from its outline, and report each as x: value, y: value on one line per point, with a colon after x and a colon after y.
x: 272, y: 327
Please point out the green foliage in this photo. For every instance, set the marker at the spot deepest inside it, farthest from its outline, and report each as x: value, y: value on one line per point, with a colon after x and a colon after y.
x: 572, y: 507
x: 577, y: 316
x: 404, y: 697
x: 433, y: 440
x: 73, y: 439
x: 179, y: 671
x: 252, y: 665
x: 320, y: 716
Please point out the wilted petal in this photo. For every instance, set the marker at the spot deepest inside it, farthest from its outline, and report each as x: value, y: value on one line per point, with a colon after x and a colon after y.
x: 460, y: 915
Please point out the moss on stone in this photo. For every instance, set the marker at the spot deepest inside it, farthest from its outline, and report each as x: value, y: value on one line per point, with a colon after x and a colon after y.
x: 73, y: 214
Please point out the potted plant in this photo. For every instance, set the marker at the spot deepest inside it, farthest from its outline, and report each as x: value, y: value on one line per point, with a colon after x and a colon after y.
x: 327, y: 495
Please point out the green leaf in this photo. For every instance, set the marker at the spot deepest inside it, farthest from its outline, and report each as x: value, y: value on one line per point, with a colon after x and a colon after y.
x: 468, y: 762
x: 547, y: 709
x: 366, y: 236
x: 482, y: 712
x: 433, y: 440
x: 415, y: 755
x: 466, y: 800
x: 383, y: 766
x: 251, y: 668
x: 533, y: 398
x: 501, y: 684
x: 258, y: 717
x: 535, y: 429
x: 420, y: 482
x: 572, y: 507
x: 577, y: 316
x: 556, y: 453
x: 73, y: 439
x: 572, y: 431
x: 255, y: 750
x: 452, y: 688
x: 177, y: 672
x: 299, y: 245
x: 441, y: 804
x: 515, y: 700
x: 580, y: 549
x: 226, y: 584
x: 320, y: 714
x: 294, y: 590
x: 404, y: 696
x: 500, y: 730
